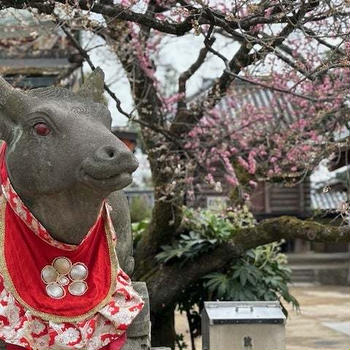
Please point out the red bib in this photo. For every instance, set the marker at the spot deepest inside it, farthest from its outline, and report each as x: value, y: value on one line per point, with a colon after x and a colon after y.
x: 25, y: 255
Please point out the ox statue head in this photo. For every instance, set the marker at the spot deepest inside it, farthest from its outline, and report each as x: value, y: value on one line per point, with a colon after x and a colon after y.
x: 60, y: 147
x: 58, y: 140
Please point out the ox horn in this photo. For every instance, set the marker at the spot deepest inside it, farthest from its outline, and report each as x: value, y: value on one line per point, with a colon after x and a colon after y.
x: 11, y: 99
x: 93, y: 86
x: 5, y: 91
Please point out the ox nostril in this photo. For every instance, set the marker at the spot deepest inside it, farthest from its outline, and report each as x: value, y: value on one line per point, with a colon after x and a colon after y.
x: 110, y: 153
x: 106, y: 153
x: 113, y: 156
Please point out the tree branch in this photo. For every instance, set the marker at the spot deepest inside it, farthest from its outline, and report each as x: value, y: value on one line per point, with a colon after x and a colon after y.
x: 286, y: 227
x: 185, y: 76
x: 241, y: 59
x: 313, y: 35
x: 164, y: 284
x: 86, y: 56
x: 180, y: 120
x: 283, y: 91
x: 202, y: 15
x: 112, y: 11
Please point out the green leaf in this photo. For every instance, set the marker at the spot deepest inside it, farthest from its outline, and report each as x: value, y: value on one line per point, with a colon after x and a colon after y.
x: 243, y: 277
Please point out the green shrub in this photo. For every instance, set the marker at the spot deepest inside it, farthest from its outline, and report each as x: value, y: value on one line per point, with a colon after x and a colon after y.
x: 259, y: 274
x: 139, y: 209
x: 137, y: 229
x: 204, y: 231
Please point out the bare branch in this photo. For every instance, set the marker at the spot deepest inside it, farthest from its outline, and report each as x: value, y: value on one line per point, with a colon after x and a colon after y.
x: 321, y: 41
x: 185, y: 76
x: 86, y: 56
x: 203, y: 16
x: 272, y: 88
x: 242, y: 59
x: 112, y: 11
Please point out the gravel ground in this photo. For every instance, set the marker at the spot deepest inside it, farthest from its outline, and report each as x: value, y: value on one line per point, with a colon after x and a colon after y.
x: 323, y: 322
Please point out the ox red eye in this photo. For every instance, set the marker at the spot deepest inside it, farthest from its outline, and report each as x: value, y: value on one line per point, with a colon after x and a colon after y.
x: 42, y: 129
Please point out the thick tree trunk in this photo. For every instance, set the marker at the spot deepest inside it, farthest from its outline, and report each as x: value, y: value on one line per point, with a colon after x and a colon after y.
x: 166, y: 218
x: 163, y: 327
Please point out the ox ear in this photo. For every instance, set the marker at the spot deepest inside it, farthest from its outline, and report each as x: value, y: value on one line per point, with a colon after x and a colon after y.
x: 93, y: 86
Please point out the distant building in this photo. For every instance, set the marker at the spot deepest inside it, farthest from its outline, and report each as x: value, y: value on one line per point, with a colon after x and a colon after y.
x: 35, y: 53
x: 268, y: 199
x: 127, y: 136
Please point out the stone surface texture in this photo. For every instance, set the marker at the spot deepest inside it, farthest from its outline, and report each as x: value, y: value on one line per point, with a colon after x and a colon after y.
x: 138, y: 333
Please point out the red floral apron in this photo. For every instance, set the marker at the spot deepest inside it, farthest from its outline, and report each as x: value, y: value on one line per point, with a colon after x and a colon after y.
x: 57, y: 296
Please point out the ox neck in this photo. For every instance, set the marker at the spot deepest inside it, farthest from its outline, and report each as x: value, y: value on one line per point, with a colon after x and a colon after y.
x: 67, y: 217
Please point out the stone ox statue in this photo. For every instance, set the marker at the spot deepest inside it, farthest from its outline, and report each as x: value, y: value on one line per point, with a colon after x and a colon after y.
x: 63, y: 161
